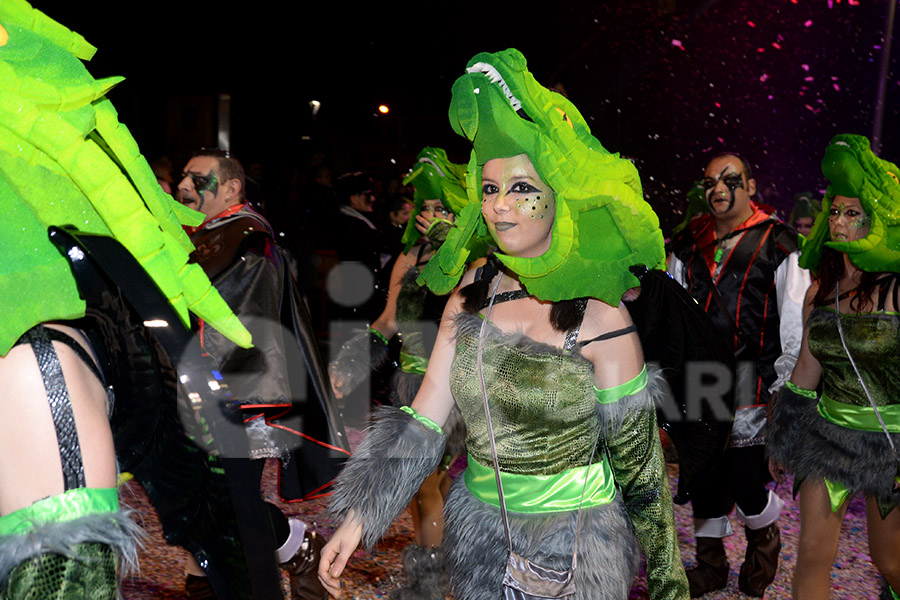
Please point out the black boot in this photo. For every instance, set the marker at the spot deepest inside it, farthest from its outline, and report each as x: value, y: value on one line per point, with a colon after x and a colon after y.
x: 303, y: 569
x: 711, y: 572
x: 426, y: 575
x: 761, y: 562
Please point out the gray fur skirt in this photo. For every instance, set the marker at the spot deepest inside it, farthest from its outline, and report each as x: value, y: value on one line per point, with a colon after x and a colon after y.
x: 812, y: 447
x: 475, y: 546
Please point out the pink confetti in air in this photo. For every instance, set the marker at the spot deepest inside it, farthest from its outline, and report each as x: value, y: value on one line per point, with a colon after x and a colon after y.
x: 718, y: 105
x: 721, y: 140
x: 836, y: 87
x: 764, y: 77
x: 805, y: 67
x: 760, y: 50
x: 808, y: 23
x: 877, y: 47
x: 809, y: 78
x: 776, y: 45
x: 677, y: 44
x: 751, y: 23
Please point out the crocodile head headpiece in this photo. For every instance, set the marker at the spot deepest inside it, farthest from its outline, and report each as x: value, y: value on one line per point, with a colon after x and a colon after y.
x: 434, y: 177
x: 602, y: 225
x: 853, y: 170
x: 65, y: 160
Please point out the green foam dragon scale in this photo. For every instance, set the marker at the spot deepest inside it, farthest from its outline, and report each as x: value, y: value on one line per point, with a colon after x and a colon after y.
x: 602, y: 224
x: 65, y: 160
x: 853, y: 170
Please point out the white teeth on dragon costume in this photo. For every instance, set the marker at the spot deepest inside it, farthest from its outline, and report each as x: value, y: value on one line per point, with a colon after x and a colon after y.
x: 494, y: 76
x: 433, y: 164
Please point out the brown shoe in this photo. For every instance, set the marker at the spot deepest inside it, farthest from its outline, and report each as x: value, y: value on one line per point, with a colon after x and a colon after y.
x: 303, y: 569
x: 711, y: 572
x: 761, y: 562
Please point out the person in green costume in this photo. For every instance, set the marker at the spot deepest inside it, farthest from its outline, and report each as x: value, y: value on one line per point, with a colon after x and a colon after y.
x: 67, y: 163
x: 414, y: 312
x: 540, y: 336
x: 845, y: 439
x: 804, y: 213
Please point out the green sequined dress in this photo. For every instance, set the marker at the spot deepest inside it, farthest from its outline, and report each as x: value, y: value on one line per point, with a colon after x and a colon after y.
x: 837, y: 437
x: 547, y: 422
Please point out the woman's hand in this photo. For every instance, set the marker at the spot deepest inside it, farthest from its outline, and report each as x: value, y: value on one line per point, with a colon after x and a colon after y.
x: 423, y: 222
x: 337, y: 552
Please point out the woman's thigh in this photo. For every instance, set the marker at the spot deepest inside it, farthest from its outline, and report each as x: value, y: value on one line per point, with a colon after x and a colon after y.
x: 820, y: 527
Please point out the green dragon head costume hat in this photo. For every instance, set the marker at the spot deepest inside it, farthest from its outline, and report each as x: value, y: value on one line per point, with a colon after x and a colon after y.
x: 854, y: 171
x: 602, y: 225
x: 65, y: 160
x: 434, y: 177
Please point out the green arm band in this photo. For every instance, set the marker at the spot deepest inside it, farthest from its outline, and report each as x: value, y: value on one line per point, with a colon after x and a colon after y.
x: 68, y: 506
x: 378, y: 335
x: 617, y: 392
x: 423, y: 420
x: 415, y: 365
x: 811, y: 394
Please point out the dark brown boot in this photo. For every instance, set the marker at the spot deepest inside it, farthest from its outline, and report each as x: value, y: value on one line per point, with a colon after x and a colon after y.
x: 711, y: 572
x: 761, y: 562
x: 303, y: 569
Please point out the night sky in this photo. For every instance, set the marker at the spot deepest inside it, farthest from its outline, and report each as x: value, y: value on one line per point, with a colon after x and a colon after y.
x: 667, y: 83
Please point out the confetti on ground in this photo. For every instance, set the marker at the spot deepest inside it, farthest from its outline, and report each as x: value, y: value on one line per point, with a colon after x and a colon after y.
x: 372, y: 576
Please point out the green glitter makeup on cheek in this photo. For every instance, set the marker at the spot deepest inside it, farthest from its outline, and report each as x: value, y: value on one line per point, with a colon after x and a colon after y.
x: 535, y: 207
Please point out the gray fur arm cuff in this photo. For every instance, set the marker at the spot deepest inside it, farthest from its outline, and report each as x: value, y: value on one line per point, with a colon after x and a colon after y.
x: 789, y: 412
x: 396, y: 455
x: 358, y: 356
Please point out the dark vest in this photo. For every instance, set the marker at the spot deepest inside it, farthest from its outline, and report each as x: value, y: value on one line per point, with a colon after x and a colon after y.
x: 746, y: 284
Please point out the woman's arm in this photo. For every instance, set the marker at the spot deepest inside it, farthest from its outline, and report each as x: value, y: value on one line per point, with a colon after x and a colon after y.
x: 386, y: 323
x: 405, y: 455
x: 807, y: 371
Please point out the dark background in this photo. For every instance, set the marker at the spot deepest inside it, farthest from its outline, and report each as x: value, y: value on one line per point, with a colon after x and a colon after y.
x: 667, y: 83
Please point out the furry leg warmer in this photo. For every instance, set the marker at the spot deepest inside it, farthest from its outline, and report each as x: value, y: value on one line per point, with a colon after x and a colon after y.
x: 382, y: 476
x: 426, y: 574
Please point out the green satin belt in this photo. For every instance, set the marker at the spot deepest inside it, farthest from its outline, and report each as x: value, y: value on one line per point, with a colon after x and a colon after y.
x: 67, y: 506
x: 543, y: 493
x: 409, y: 363
x: 861, y: 418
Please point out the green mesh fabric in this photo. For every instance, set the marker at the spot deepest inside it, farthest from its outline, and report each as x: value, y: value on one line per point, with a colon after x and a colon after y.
x: 870, y: 338
x: 410, y: 310
x: 88, y: 575
x: 854, y: 171
x: 639, y: 468
x: 543, y: 409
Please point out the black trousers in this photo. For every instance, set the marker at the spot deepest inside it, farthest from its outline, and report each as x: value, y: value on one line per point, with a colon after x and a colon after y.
x: 739, y: 478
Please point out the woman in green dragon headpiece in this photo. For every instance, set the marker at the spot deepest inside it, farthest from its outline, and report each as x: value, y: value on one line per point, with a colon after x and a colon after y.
x: 414, y: 312
x: 846, y: 439
x: 540, y: 356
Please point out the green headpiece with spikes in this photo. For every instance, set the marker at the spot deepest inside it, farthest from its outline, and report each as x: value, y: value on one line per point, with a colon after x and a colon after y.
x: 434, y: 177
x: 66, y: 160
x: 602, y: 224
x: 854, y: 171
x: 696, y: 205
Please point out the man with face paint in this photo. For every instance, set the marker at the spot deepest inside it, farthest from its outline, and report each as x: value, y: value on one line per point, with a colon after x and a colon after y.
x: 740, y: 264
x: 236, y: 249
